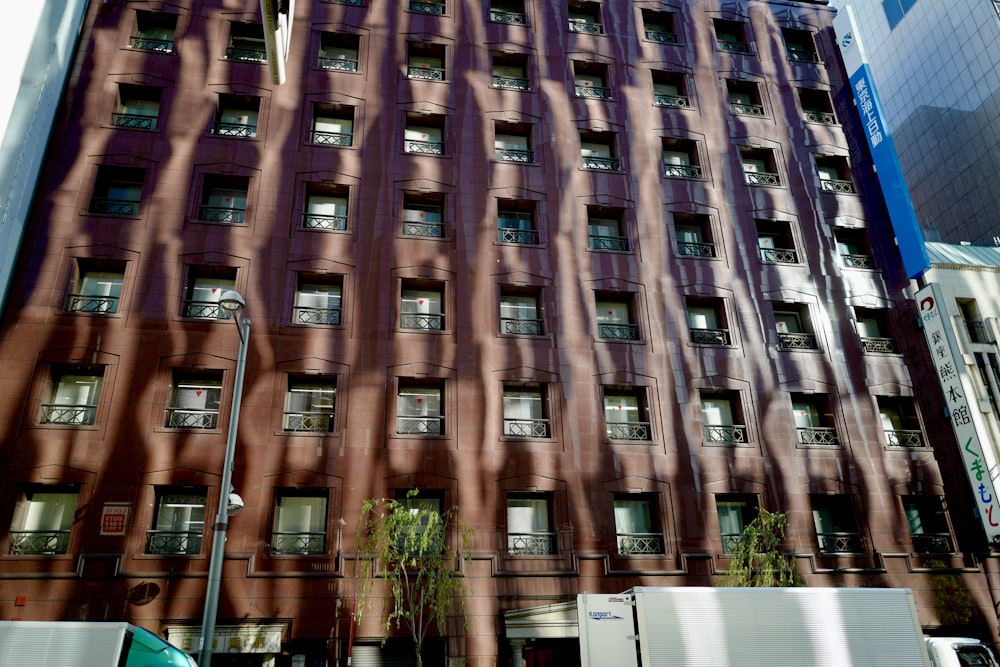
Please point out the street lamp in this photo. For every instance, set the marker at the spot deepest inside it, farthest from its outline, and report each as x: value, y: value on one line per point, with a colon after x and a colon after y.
x: 232, y: 302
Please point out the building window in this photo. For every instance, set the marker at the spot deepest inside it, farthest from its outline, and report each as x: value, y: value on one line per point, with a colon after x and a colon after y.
x: 606, y: 228
x: 338, y: 51
x: 318, y: 300
x: 670, y: 89
x: 759, y: 166
x: 635, y: 527
x: 224, y: 199
x: 299, y: 522
x: 852, y: 246
x: 520, y: 312
x: 246, y: 42
x: 873, y: 329
x: 735, y: 512
x: 333, y: 125
x: 510, y: 71
x: 794, y: 327
x: 194, y: 400
x: 799, y: 45
x: 516, y: 221
x: 154, y: 31
x: 529, y: 523
x: 512, y: 142
x: 420, y: 408
x: 422, y: 306
x: 694, y: 235
x: 744, y: 98
x: 731, y: 36
x: 43, y: 519
x: 928, y: 524
x: 900, y: 421
x: 597, y: 150
x: 510, y: 12
x: 423, y: 214
x: 834, y: 174
x: 75, y: 392
x: 585, y: 17
x: 310, y: 403
x: 816, y: 106
x: 707, y: 321
x: 591, y: 80
x: 659, y: 26
x: 433, y: 7
x: 722, y: 417
x: 425, y: 61
x: 615, y: 317
x: 680, y: 158
x: 836, y: 525
x: 424, y: 134
x: 326, y: 207
x: 525, y: 411
x: 777, y: 246
x: 205, y: 288
x: 98, y: 287
x: 179, y: 521
x: 975, y: 327
x: 117, y: 191
x: 626, y: 414
x: 237, y: 116
x: 814, y: 420
x: 138, y: 107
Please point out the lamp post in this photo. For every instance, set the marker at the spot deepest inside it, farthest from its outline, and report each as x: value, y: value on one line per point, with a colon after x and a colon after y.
x: 229, y: 502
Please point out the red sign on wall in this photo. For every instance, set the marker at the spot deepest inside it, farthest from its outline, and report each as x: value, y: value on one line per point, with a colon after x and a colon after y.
x: 113, y: 518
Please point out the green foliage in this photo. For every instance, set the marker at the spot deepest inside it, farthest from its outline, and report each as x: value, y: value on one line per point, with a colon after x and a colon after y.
x: 757, y: 558
x: 405, y: 544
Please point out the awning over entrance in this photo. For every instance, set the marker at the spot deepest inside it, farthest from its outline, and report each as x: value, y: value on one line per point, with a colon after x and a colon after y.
x: 230, y: 638
x: 551, y: 621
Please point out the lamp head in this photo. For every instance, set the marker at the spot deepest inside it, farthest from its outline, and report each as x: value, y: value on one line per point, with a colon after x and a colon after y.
x: 234, y: 504
x: 232, y: 301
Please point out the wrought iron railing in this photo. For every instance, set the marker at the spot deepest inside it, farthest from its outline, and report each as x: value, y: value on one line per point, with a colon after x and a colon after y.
x: 86, y: 303
x: 206, y: 310
x: 221, y: 214
x: 741, y: 109
x: 978, y: 332
x: 428, y: 73
x: 332, y: 138
x: 733, y: 46
x: 173, y: 542
x: 852, y: 261
x: 604, y: 163
x: 425, y: 147
x: 904, y: 438
x: 436, y: 8
x: 588, y: 27
x: 431, y: 229
x: 797, y: 341
x: 298, y: 544
x: 420, y: 425
x: 831, y: 185
x: 331, y: 222
x: 932, y: 543
x: 661, y: 37
x: 514, y: 155
x: 511, y: 18
x: 315, y: 421
x: 338, y: 64
x: 107, y: 206
x: 761, y: 178
x: 69, y: 414
x: 521, y: 326
x: 817, y: 435
x: 602, y: 242
x: 879, y: 345
x: 628, y: 431
x: 710, y: 336
x: 779, y: 255
x: 38, y: 542
x: 189, y: 418
x: 246, y: 54
x: 306, y: 315
x: 242, y: 130
x: 729, y: 541
x: 802, y: 55
x: 594, y: 92
x: 425, y: 321
x: 526, y: 428
x: 133, y: 121
x: 523, y: 236
x: 664, y: 100
x: 732, y: 433
x: 618, y: 331
x: 151, y: 44
x: 682, y: 170
x: 693, y: 249
x: 822, y: 117
x: 637, y: 544
x: 832, y: 543
x: 531, y: 544
x: 511, y: 82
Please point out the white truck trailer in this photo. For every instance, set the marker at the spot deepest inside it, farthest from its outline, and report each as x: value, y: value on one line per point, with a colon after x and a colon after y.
x: 83, y: 644
x: 755, y: 627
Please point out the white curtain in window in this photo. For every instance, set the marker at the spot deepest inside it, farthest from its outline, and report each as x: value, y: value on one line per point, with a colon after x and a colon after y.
x: 666, y: 89
x: 185, y: 513
x: 527, y: 515
x: 339, y: 53
x: 418, y: 213
x: 868, y: 327
x: 197, y: 397
x: 702, y: 317
x: 420, y: 133
x: 621, y: 409
x: 238, y: 116
x: 422, y: 301
x: 518, y: 307
x: 419, y: 402
x: 632, y: 516
x: 716, y: 412
x: 688, y: 234
x: 522, y: 405
x: 47, y: 511
x: 510, y: 142
x: 209, y: 289
x: 310, y: 398
x: 806, y: 415
x: 612, y: 312
x: 320, y: 205
x: 101, y: 283
x: 300, y: 514
x: 603, y: 227
x: 77, y: 390
x: 334, y: 125
x: 225, y: 198
x: 891, y: 420
x: 676, y: 158
x: 318, y: 296
x: 590, y: 149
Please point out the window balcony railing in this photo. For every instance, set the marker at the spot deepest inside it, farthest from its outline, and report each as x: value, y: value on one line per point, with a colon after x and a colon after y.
x: 710, y: 337
x: 978, y: 332
x: 86, y: 303
x: 510, y: 18
x: 904, y: 438
x: 831, y: 185
x: 732, y: 46
x: 594, y: 92
x: 151, y: 44
x: 628, y: 431
x: 520, y: 236
x: 729, y: 541
x: 601, y: 163
x: 664, y: 100
x: 618, y: 331
x: 221, y: 214
x: 879, y: 345
x: 329, y: 222
x: 427, y: 73
x: 81, y: 415
x: 603, y: 242
x: 741, y: 109
x: 425, y: 147
x: 526, y: 428
x: 133, y: 121
x: 694, y: 249
x: 511, y: 82
x: 241, y: 130
x: 514, y: 155
x: 932, y: 543
x: 661, y: 36
x: 189, y: 418
x: 332, y: 138
x: 205, y: 310
x: 420, y: 425
x: 327, y: 316
x: 682, y: 170
x: 298, y: 544
x: 797, y: 341
x: 106, y: 206
x: 821, y: 117
x: 639, y: 544
x: 858, y: 261
x: 38, y: 542
x: 817, y: 435
x: 761, y: 178
x: 246, y: 54
x: 173, y: 542
x: 423, y: 321
x: 531, y: 544
x: 434, y: 8
x: 338, y: 64
x: 587, y: 27
x: 731, y: 433
x: 431, y: 229
x: 521, y: 326
x: 834, y: 543
x: 802, y: 55
x: 779, y: 255
x: 317, y: 421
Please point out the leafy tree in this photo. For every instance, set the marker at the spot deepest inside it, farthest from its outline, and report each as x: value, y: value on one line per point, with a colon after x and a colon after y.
x: 757, y: 558
x: 404, y: 544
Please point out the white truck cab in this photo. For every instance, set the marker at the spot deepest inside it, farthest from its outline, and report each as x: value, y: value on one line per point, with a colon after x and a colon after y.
x: 958, y: 652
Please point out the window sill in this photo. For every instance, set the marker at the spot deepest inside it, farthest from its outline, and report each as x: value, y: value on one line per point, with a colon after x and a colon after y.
x: 311, y: 435
x: 66, y: 427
